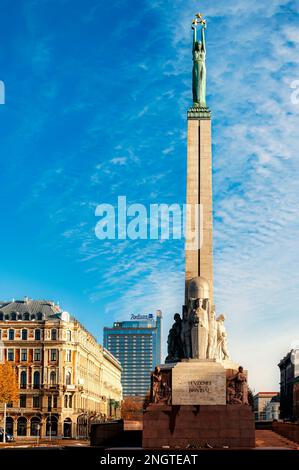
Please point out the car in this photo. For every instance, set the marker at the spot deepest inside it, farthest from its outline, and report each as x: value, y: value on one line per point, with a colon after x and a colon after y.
x: 8, y: 437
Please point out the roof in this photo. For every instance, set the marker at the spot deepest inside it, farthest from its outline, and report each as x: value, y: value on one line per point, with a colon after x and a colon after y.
x: 46, y: 307
x: 276, y: 399
x: 287, y: 359
x: 30, y: 306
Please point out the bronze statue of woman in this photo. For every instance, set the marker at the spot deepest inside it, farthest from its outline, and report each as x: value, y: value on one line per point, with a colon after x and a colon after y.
x: 199, y: 67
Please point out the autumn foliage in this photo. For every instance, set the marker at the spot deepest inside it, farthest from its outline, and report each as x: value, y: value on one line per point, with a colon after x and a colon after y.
x: 131, y: 408
x: 8, y: 383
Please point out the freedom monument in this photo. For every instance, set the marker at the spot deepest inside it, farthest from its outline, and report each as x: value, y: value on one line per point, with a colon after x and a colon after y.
x: 199, y: 397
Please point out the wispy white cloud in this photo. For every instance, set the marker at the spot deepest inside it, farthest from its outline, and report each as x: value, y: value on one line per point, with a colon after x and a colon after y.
x: 133, y: 142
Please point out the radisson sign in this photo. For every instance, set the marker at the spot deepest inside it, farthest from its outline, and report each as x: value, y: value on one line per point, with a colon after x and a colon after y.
x: 150, y: 316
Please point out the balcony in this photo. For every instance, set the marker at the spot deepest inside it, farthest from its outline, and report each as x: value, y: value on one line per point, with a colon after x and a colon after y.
x: 70, y: 388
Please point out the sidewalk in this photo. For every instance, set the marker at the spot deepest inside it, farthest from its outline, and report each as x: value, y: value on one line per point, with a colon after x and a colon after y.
x: 270, y: 439
x: 45, y: 443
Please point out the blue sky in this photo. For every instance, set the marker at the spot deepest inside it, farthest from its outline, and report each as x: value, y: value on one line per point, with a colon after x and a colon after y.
x: 96, y: 100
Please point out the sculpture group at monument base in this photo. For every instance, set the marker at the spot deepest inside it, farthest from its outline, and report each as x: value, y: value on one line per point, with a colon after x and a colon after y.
x: 199, y: 403
x: 187, y: 426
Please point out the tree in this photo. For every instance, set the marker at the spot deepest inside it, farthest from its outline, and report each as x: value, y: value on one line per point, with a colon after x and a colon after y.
x: 131, y: 408
x: 8, y: 384
x: 250, y: 398
x: 147, y: 400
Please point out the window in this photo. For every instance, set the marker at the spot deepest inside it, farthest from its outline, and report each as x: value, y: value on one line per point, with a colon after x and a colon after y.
x: 69, y: 356
x: 1, y: 316
x: 23, y: 379
x: 26, y: 316
x: 53, y: 355
x: 22, y: 424
x: 23, y: 355
x: 53, y: 335
x: 10, y: 355
x: 37, y: 335
x: 52, y: 402
x: 37, y: 355
x: 24, y: 334
x: 36, y: 379
x: 68, y: 378
x: 49, y: 403
x: 68, y: 401
x: 22, y: 401
x: 35, y: 426
x: 36, y: 401
x: 13, y: 316
x: 11, y: 335
x: 69, y: 335
x: 52, y: 379
x: 39, y: 316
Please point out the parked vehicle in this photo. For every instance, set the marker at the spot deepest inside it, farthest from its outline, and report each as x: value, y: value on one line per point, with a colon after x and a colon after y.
x: 8, y: 437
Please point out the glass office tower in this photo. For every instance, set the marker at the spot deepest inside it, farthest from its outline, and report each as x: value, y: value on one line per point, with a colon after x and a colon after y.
x: 137, y: 345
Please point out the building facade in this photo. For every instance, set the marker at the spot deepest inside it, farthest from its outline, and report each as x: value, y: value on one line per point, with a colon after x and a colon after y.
x: 137, y: 345
x: 289, y: 375
x: 273, y: 409
x: 66, y: 379
x: 261, y: 403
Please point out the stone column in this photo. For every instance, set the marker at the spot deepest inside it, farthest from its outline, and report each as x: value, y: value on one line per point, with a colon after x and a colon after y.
x: 199, y: 261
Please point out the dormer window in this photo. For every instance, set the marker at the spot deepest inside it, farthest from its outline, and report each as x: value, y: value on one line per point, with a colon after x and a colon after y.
x: 26, y: 316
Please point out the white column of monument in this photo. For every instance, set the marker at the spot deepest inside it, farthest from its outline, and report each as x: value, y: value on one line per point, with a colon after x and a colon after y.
x: 199, y: 262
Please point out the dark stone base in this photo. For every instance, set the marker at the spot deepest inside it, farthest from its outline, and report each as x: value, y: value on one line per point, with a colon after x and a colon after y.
x: 198, y: 426
x: 113, y: 434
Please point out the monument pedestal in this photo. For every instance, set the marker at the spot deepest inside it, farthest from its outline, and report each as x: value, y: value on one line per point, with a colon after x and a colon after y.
x: 198, y: 426
x: 198, y: 382
x: 192, y: 411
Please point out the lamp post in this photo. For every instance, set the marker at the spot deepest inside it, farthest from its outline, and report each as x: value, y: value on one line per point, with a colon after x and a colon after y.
x: 37, y: 435
x: 50, y: 416
x: 4, y: 427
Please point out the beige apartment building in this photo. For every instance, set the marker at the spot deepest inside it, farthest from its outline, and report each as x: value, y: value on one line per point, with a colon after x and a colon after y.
x: 66, y: 379
x: 261, y: 401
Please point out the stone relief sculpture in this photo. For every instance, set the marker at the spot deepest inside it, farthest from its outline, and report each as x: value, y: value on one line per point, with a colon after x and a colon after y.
x: 198, y: 335
x: 222, y: 351
x: 174, y: 341
x: 213, y: 327
x: 156, y: 384
x: 200, y: 329
x: 186, y: 334
x: 237, y: 388
x: 160, y: 389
